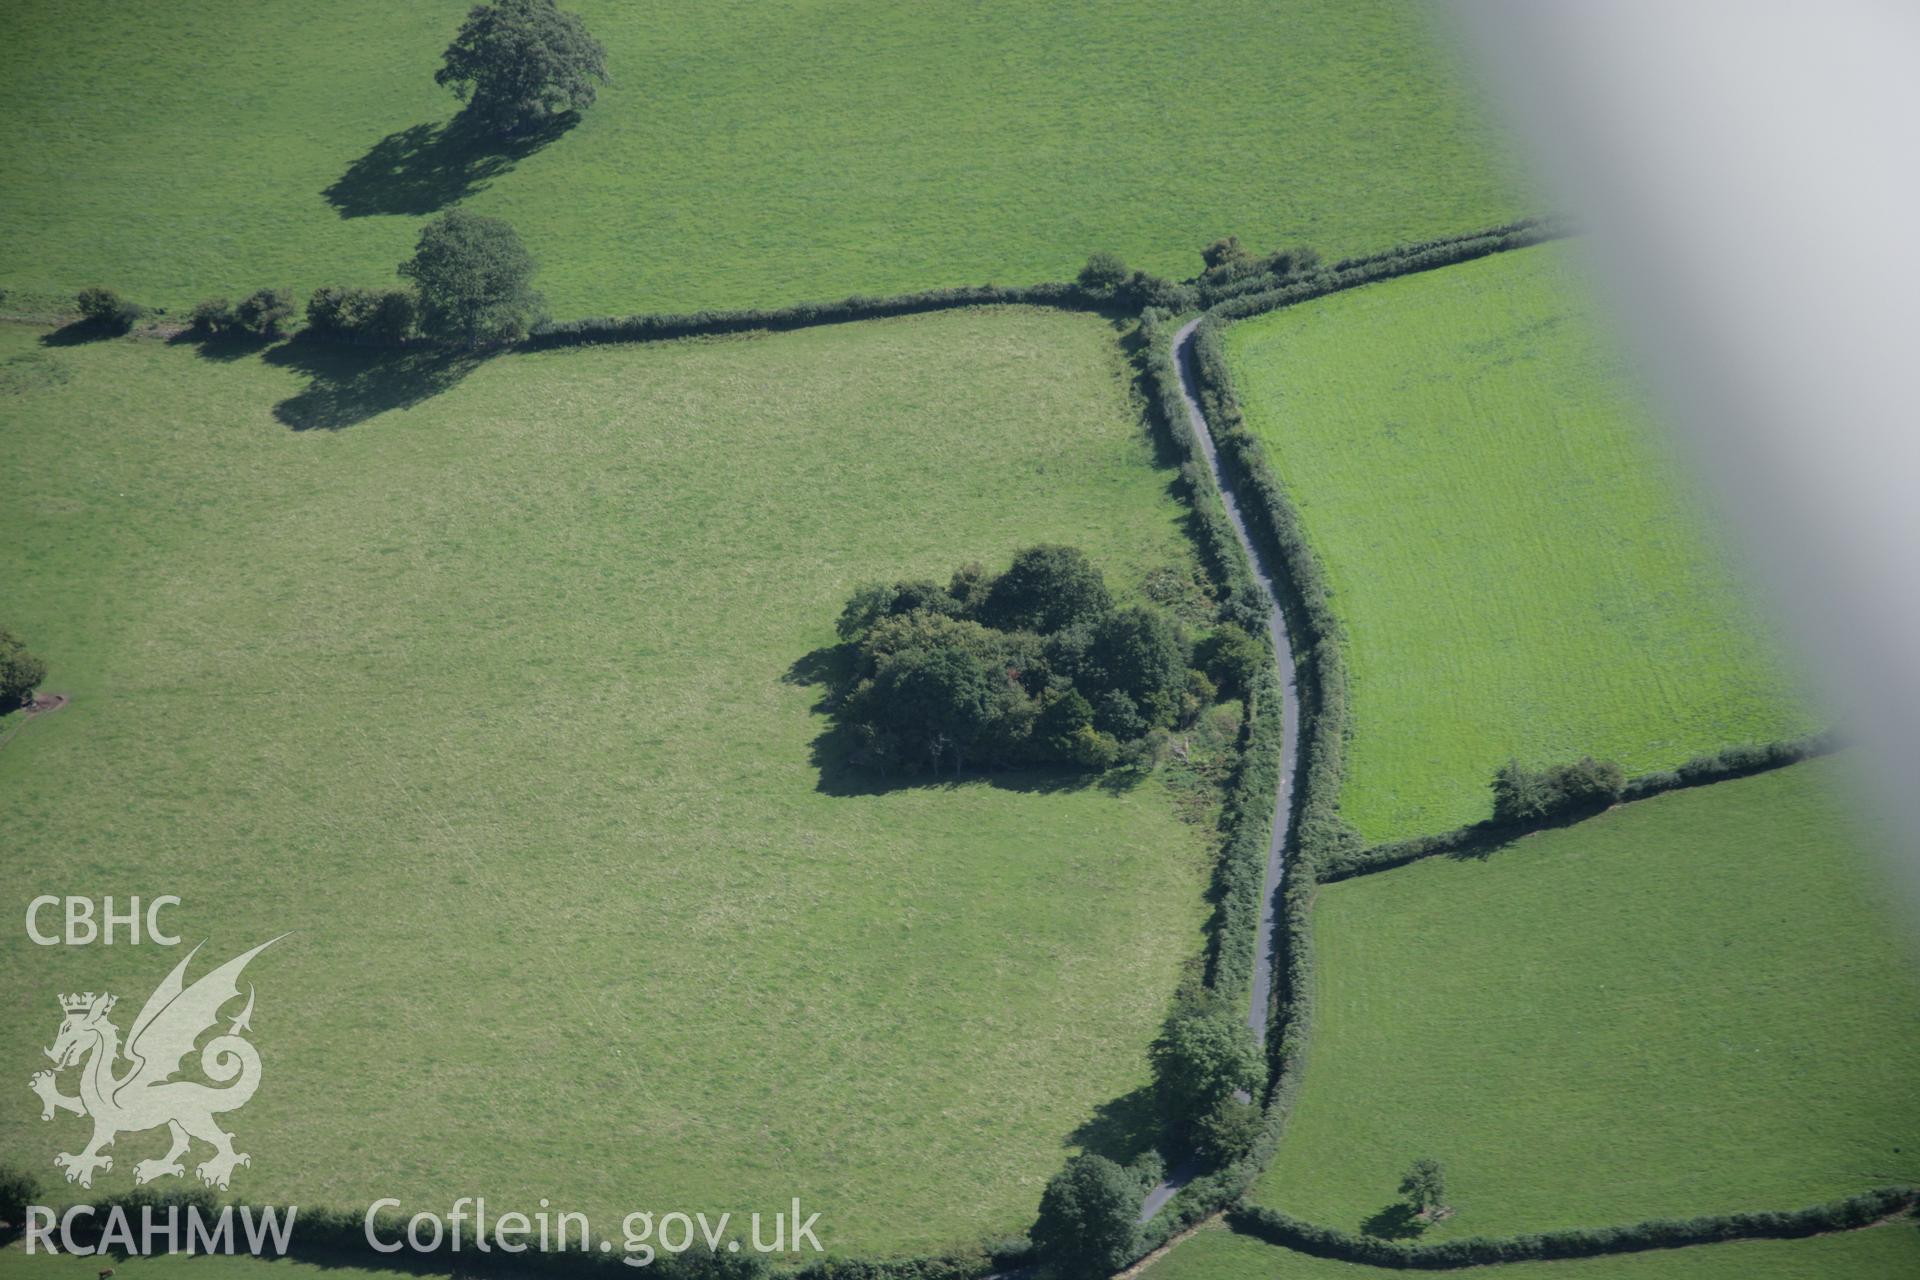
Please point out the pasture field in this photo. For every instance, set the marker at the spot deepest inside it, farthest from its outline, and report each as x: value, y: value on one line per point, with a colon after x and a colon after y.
x: 1522, y: 565
x: 1882, y: 1253
x: 497, y: 699
x: 746, y: 154
x: 15, y: 1262
x: 1692, y: 1004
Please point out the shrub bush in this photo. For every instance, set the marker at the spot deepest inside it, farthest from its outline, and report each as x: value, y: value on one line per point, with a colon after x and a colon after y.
x: 20, y: 672
x: 375, y: 317
x: 1523, y: 795
x: 263, y: 312
x: 1105, y: 272
x: 1225, y: 252
x: 107, y: 311
x: 214, y: 318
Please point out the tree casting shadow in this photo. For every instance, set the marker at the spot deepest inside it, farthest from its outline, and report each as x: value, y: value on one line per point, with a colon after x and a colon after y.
x: 348, y: 385
x: 430, y: 166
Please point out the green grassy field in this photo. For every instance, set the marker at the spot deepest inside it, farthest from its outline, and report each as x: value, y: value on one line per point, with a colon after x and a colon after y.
x: 1692, y: 1004
x: 746, y: 153
x: 1522, y: 566
x: 15, y: 1262
x: 1882, y: 1253
x: 489, y: 700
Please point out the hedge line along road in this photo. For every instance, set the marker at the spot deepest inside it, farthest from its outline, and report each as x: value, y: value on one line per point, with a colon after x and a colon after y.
x: 1289, y: 729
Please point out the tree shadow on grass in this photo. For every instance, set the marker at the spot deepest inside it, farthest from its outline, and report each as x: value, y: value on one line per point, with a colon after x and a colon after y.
x: 1396, y: 1221
x: 1122, y: 1130
x: 224, y: 349
x: 80, y: 332
x: 430, y: 166
x: 348, y: 385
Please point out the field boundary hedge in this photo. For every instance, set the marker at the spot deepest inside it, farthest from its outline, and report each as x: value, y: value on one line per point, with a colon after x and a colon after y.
x: 1326, y: 849
x: 661, y: 326
x: 1478, y: 837
x: 1850, y: 1214
x: 1318, y: 836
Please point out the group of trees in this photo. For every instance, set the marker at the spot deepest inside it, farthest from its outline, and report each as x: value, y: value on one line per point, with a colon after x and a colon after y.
x: 472, y: 285
x: 1521, y: 794
x: 516, y: 64
x: 1224, y: 262
x: 261, y: 314
x: 1031, y: 666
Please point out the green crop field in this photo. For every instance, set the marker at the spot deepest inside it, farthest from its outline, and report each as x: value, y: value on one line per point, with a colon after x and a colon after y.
x: 1886, y: 1253
x: 1520, y: 560
x: 1692, y: 1004
x: 491, y: 698
x: 746, y: 153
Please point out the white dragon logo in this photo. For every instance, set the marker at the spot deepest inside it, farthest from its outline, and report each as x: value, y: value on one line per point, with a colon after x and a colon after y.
x: 145, y: 1096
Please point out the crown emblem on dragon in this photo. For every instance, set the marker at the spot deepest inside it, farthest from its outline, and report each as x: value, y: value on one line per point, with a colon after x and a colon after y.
x: 144, y: 1095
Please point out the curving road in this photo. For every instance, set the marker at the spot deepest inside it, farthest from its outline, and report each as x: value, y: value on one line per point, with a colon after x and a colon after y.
x: 1290, y: 738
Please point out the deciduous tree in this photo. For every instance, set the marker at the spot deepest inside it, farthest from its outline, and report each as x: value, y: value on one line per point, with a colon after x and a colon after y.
x: 1087, y: 1224
x: 475, y: 279
x: 521, y: 62
x: 20, y: 672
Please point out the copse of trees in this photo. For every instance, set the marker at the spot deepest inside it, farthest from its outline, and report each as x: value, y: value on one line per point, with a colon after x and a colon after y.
x: 519, y: 63
x: 1031, y: 666
x: 20, y: 672
x: 474, y: 279
x: 1521, y: 794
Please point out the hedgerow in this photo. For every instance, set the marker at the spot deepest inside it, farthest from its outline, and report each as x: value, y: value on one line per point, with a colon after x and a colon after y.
x: 1353, y: 272
x: 1323, y: 847
x: 1730, y: 762
x: 1854, y: 1212
x: 656, y: 327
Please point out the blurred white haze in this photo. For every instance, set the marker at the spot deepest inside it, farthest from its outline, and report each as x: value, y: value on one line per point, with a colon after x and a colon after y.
x: 1748, y: 175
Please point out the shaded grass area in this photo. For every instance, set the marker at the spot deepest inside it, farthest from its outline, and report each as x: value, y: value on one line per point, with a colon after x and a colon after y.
x: 1891, y: 1252
x: 1517, y: 554
x: 485, y: 699
x: 14, y: 1261
x: 746, y: 154
x: 1693, y: 1004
